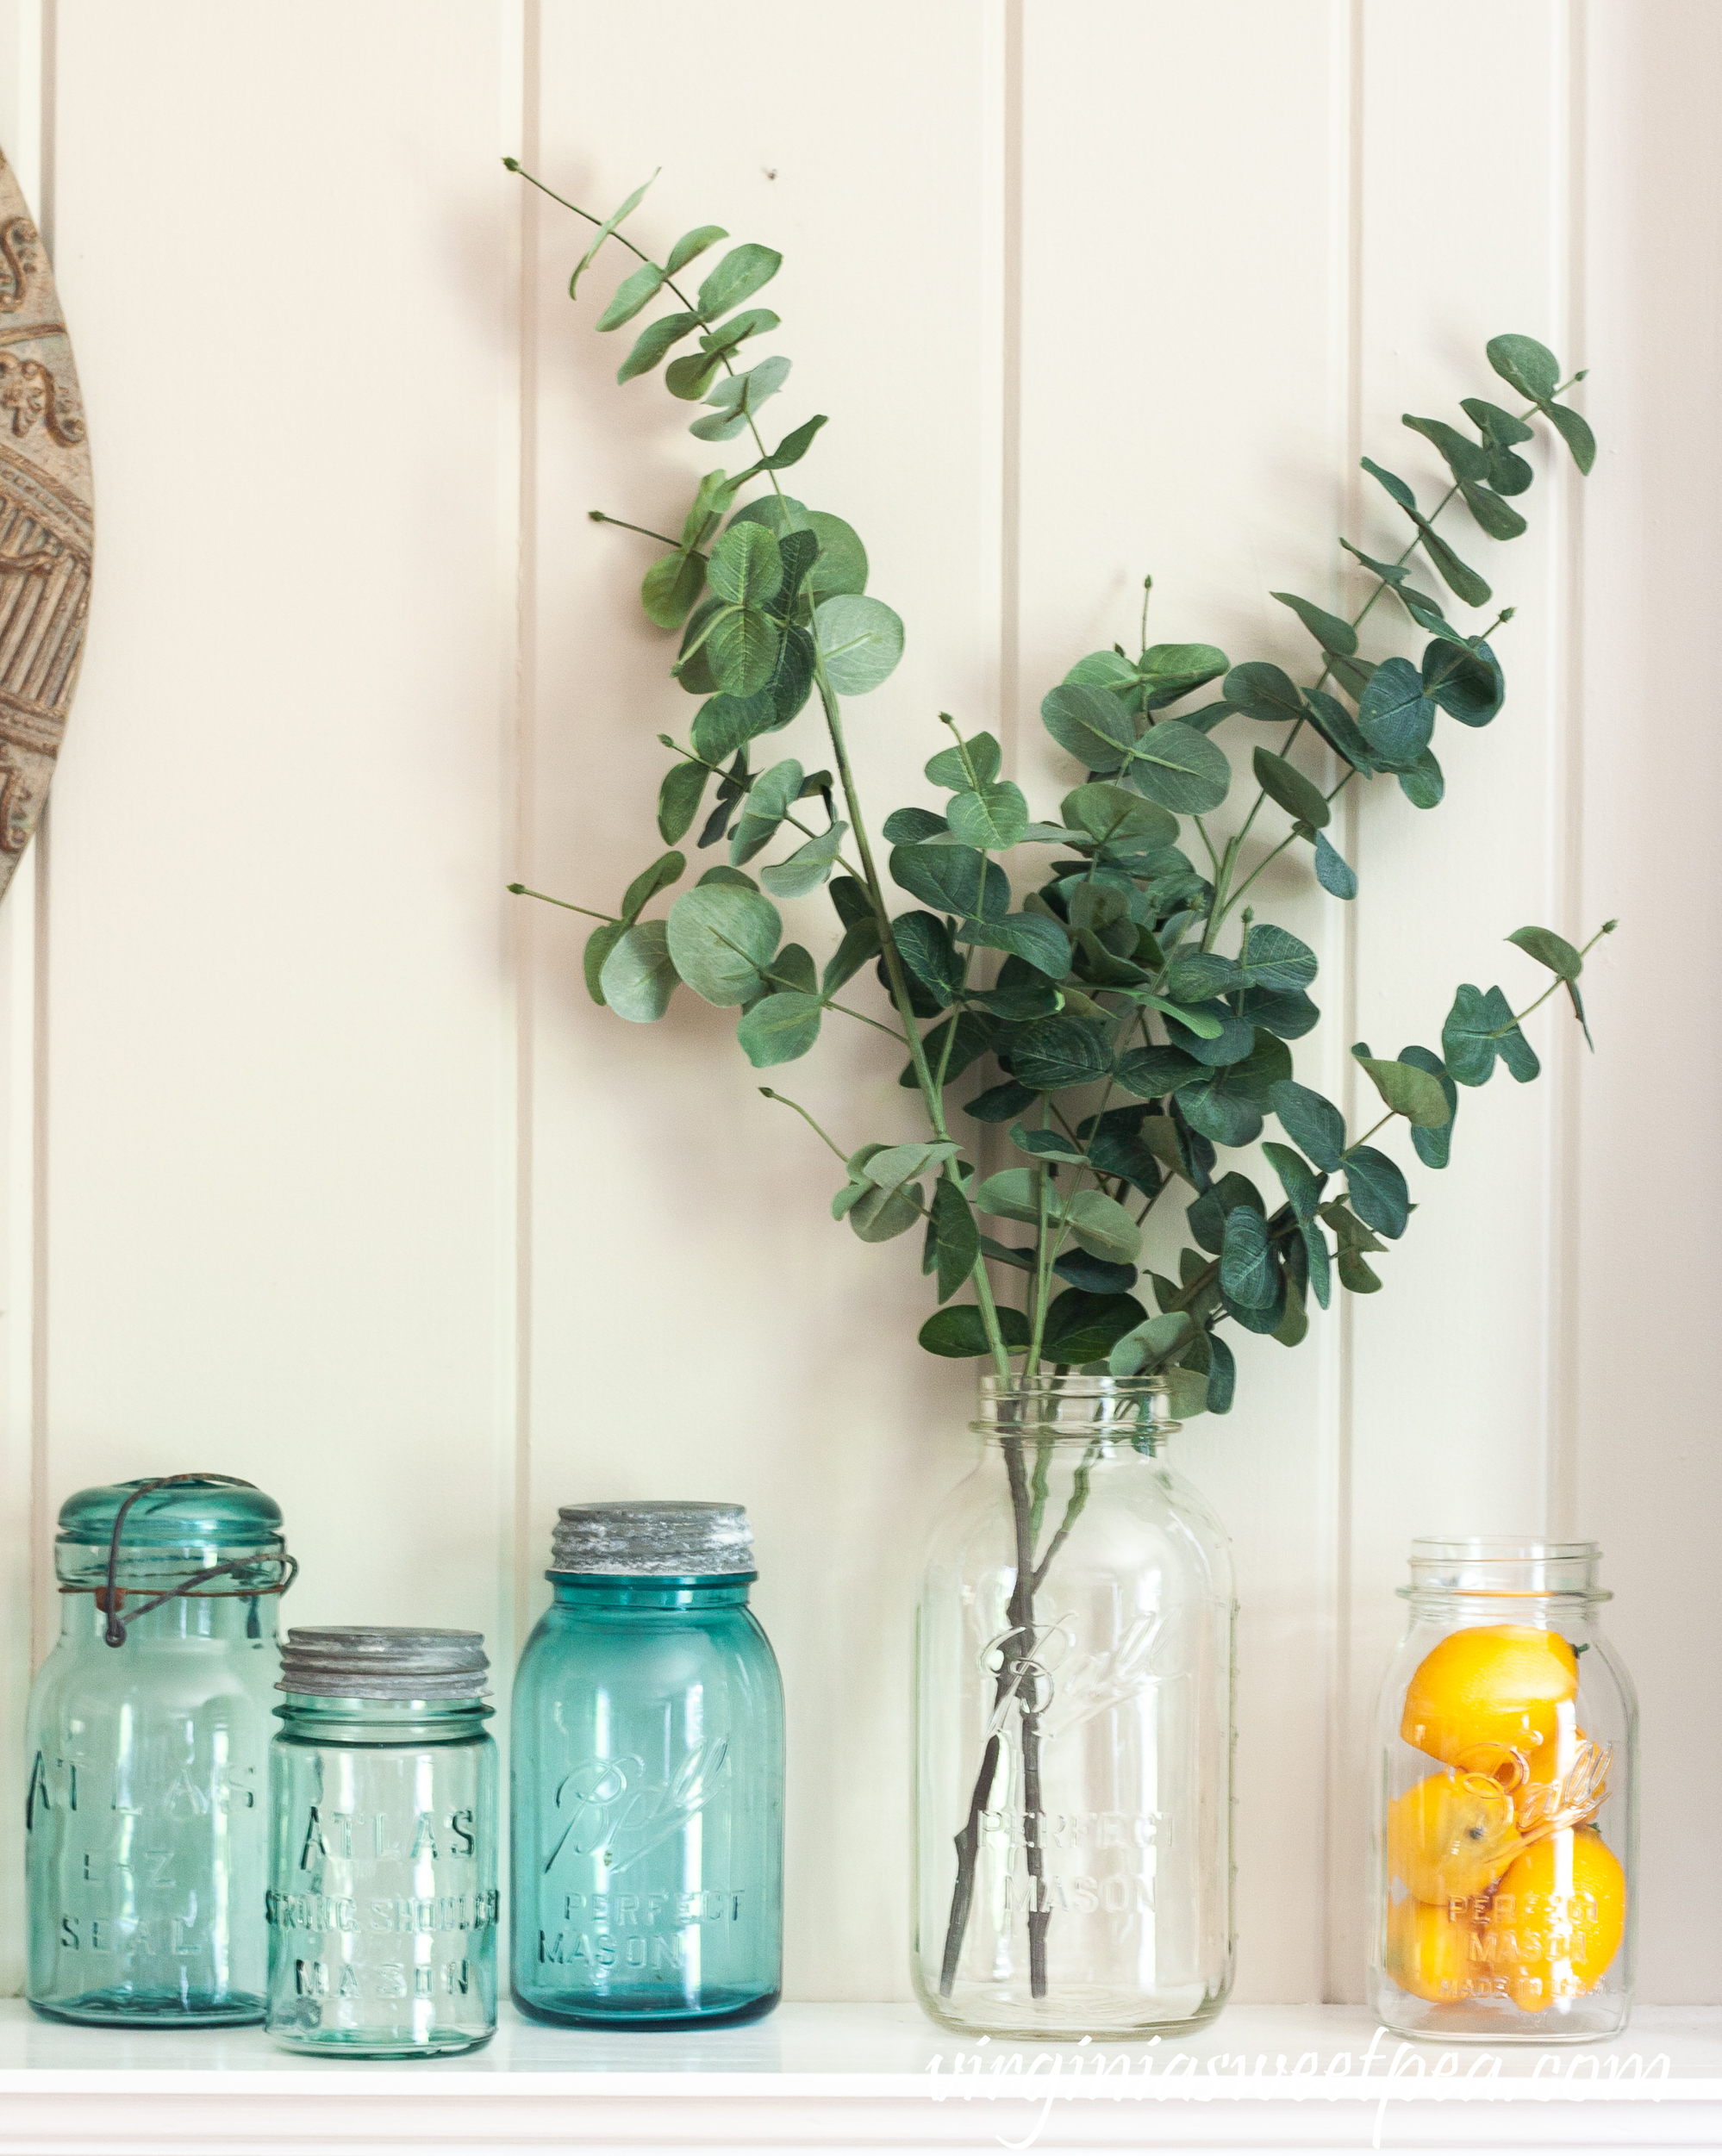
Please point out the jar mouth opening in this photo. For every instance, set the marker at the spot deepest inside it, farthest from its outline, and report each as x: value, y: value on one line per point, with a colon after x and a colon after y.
x: 1504, y: 1568
x: 1076, y: 1407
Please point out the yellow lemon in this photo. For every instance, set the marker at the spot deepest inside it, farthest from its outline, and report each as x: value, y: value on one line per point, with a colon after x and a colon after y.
x: 1556, y: 1918
x: 1428, y: 1953
x: 1489, y: 1691
x: 1452, y: 1837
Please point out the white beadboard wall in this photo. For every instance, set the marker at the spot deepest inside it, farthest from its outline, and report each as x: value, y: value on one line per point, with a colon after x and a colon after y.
x: 317, y: 1164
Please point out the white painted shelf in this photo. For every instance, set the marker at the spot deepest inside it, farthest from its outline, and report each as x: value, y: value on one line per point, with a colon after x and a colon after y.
x: 854, y: 2077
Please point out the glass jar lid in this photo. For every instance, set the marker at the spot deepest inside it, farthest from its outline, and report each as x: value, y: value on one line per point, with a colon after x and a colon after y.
x: 645, y: 1538
x: 180, y: 1521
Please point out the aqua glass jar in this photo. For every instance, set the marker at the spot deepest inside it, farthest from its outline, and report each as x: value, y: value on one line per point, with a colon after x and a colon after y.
x: 382, y: 1906
x: 648, y: 1777
x: 1073, y: 1706
x: 145, y: 1817
x: 1504, y: 1895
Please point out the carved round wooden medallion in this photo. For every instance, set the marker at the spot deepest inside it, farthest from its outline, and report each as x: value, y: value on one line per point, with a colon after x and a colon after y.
x: 46, y: 531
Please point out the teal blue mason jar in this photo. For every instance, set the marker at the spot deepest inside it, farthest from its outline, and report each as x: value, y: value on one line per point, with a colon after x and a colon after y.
x: 648, y: 1778
x: 146, y: 1815
x: 383, y: 1904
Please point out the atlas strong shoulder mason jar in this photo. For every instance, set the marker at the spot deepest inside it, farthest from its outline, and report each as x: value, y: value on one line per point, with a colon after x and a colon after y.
x: 146, y: 1816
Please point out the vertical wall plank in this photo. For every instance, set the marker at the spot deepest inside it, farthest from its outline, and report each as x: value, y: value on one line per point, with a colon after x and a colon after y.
x: 277, y: 1237
x: 1649, y: 1484
x: 703, y: 1327
x: 1450, y: 1430
x: 22, y: 99
x: 1183, y: 414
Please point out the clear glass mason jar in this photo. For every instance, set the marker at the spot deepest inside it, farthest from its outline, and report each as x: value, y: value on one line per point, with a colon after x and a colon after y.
x: 1504, y: 1875
x: 1074, y: 1682
x: 648, y: 1777
x: 383, y: 1904
x: 145, y: 1817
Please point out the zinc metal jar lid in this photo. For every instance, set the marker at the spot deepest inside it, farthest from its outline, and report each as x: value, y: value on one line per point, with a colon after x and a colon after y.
x: 641, y: 1538
x: 383, y: 1661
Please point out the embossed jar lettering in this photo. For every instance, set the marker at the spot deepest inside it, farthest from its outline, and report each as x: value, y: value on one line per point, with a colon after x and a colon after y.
x: 648, y: 1777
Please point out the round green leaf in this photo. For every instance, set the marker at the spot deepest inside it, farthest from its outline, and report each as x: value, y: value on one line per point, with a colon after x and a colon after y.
x: 1091, y: 723
x: 745, y: 566
x: 1104, y: 1228
x: 992, y: 820
x: 1082, y: 1328
x: 720, y: 938
x: 1416, y: 1094
x: 859, y: 639
x: 959, y: 1332
x: 1059, y: 1052
x: 841, y: 568
x: 779, y: 1029
x: 1283, y: 782
x: 1376, y: 1189
x: 744, y: 648
x: 637, y: 978
x: 1181, y: 769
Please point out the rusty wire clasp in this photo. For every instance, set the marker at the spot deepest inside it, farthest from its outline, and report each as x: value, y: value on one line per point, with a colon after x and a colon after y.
x: 108, y: 1600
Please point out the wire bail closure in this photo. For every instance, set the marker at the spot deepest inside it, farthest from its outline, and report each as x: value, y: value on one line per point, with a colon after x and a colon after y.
x: 107, y: 1598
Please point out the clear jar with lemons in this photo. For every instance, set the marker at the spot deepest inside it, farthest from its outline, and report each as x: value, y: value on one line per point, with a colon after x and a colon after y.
x: 1505, y: 1840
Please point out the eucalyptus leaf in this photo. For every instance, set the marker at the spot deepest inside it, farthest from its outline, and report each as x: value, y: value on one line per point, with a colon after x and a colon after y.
x: 807, y: 868
x: 1180, y: 769
x: 1169, y: 671
x: 1465, y: 680
x: 1246, y: 1267
x: 608, y: 226
x: 668, y: 868
x: 1376, y: 1189
x: 724, y: 724
x: 745, y: 568
x: 924, y: 944
x: 951, y: 880
x: 993, y: 820
x: 770, y: 798
x: 634, y: 292
x: 1036, y: 941
x: 1423, y: 783
x: 743, y: 646
x: 1104, y: 1228
x: 638, y: 977
x: 653, y: 341
x: 721, y: 937
x: 960, y: 1331
x: 780, y: 1027
x: 1479, y: 1028
x: 974, y: 763
x: 1394, y: 716
x: 1283, y: 782
x: 860, y: 943
x: 1091, y: 723
x: 678, y: 799
x: 1338, y: 729
x: 691, y: 243
x: 1550, y: 950
x: 738, y: 275
x: 956, y: 1239
x: 1059, y: 1052
x: 1147, y: 1345
x: 1083, y: 1327
x: 860, y: 641
x: 599, y: 945
x: 1329, y: 631
x: 1112, y: 815
x: 1333, y: 872
x: 1311, y: 1122
x: 1434, y: 1143
x: 1262, y: 690
x: 909, y: 826
x: 1409, y: 1091
x: 671, y: 589
x: 1529, y: 367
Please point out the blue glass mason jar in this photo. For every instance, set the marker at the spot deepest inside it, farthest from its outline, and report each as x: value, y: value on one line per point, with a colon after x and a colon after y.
x: 648, y: 1777
x: 382, y: 1906
x: 145, y: 1817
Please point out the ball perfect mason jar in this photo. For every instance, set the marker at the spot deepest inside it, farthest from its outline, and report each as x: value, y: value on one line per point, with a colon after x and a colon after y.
x: 648, y: 1777
x: 1503, y: 1884
x: 146, y: 1816
x: 383, y: 1904
x: 1073, y: 1703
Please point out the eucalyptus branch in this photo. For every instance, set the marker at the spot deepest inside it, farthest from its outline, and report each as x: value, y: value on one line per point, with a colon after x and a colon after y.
x: 567, y: 906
